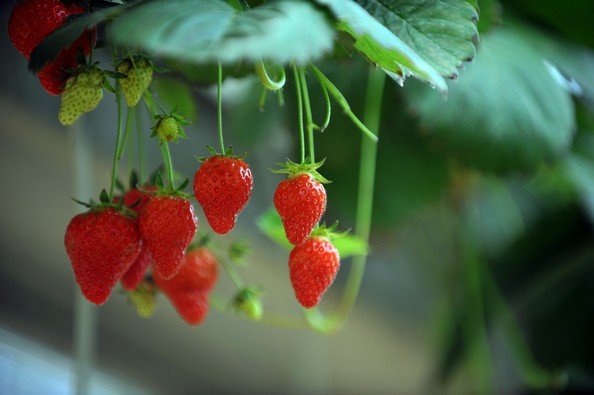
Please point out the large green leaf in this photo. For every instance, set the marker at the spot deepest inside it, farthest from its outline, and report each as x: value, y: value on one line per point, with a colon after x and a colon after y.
x: 442, y: 32
x: 508, y: 112
x: 200, y: 31
x: 380, y: 46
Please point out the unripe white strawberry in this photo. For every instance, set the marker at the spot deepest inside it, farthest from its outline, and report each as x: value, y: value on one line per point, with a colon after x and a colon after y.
x: 83, y: 92
x: 139, y: 75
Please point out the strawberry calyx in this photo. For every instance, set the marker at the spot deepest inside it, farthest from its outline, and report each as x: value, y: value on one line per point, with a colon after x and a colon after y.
x: 293, y: 169
x: 228, y: 154
x: 172, y: 191
x: 328, y: 233
x: 105, y: 203
x: 247, y: 302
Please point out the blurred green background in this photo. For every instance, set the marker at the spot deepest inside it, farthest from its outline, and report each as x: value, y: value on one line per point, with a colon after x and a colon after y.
x: 481, y: 271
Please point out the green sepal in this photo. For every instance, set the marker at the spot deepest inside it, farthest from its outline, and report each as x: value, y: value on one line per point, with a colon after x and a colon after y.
x: 238, y: 250
x: 247, y: 302
x: 293, y: 169
x: 107, y: 86
x: 103, y: 196
x: 228, y: 153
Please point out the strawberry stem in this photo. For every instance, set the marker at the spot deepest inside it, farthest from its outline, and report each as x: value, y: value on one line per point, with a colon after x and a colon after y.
x: 372, y: 112
x: 308, y: 118
x: 300, y: 113
x: 114, y: 171
x: 166, y: 154
x: 140, y: 143
x: 220, y: 108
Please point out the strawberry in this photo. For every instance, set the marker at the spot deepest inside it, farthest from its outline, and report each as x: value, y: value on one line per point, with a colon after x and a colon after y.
x: 102, y: 243
x: 223, y: 186
x: 167, y: 225
x: 136, y: 199
x: 300, y: 200
x: 139, y: 73
x: 169, y: 127
x: 31, y: 21
x: 189, y: 289
x: 312, y: 268
x: 84, y: 91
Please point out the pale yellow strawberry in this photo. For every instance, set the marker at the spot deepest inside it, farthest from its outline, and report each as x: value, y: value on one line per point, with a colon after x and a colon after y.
x: 144, y: 299
x: 138, y: 78
x: 169, y: 127
x: 83, y: 92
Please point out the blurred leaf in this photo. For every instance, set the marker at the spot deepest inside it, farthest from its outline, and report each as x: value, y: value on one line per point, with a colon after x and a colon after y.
x: 507, y: 112
x: 442, y: 32
x: 271, y: 225
x: 490, y: 15
x: 380, y: 46
x: 66, y: 34
x: 580, y: 171
x: 174, y: 93
x: 570, y: 18
x: 199, y: 31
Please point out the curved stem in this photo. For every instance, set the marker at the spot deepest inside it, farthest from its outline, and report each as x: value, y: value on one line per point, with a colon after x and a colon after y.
x: 268, y: 82
x: 127, y: 132
x: 373, y: 104
x: 232, y: 273
x: 300, y: 112
x: 308, y: 118
x: 220, y: 109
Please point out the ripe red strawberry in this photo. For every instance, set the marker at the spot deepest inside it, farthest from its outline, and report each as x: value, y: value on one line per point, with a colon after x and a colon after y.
x: 223, y: 186
x: 167, y: 225
x: 312, y: 268
x: 102, y: 243
x: 136, y: 199
x: 31, y: 21
x: 301, y: 201
x: 189, y: 289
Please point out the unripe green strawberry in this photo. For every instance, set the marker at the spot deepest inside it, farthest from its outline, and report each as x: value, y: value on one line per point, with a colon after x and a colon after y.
x: 84, y: 91
x: 139, y: 76
x: 169, y: 127
x: 247, y: 301
x: 144, y: 299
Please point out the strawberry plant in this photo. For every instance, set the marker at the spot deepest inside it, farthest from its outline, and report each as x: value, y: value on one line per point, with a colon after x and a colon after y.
x: 142, y: 238
x: 209, y: 41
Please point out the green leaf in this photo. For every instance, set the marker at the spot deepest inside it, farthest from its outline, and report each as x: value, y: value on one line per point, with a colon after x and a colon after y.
x: 380, y: 46
x: 199, y: 31
x: 66, y: 34
x: 580, y: 171
x: 508, y: 112
x: 442, y: 32
x: 271, y: 225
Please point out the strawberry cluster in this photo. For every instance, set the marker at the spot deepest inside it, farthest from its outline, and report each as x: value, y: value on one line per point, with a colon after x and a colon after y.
x: 300, y: 201
x: 33, y: 20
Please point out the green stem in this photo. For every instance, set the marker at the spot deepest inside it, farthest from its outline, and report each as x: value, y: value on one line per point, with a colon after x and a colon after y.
x: 474, y: 327
x: 308, y: 118
x: 114, y: 171
x: 166, y: 154
x: 232, y: 273
x: 531, y: 372
x: 372, y: 112
x: 127, y: 132
x: 140, y: 142
x: 262, y: 100
x: 220, y: 108
x: 300, y: 112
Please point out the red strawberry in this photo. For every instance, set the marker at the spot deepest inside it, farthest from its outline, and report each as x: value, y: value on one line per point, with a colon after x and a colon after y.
x: 188, y: 290
x: 135, y: 274
x: 136, y: 199
x: 223, y: 186
x: 167, y: 226
x: 31, y: 21
x: 312, y: 268
x: 301, y: 201
x: 102, y: 244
